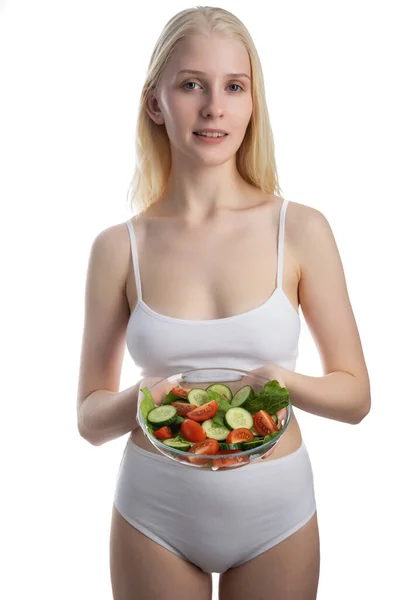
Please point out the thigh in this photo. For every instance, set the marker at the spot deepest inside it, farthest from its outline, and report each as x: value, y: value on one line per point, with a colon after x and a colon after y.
x: 287, y: 571
x: 141, y: 569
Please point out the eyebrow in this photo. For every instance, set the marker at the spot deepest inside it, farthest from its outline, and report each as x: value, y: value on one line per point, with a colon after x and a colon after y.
x: 194, y: 72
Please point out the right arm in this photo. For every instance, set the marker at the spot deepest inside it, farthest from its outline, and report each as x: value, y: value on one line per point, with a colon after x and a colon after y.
x: 104, y: 413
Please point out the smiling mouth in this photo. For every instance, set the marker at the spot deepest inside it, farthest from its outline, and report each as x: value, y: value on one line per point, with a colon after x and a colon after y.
x: 213, y: 136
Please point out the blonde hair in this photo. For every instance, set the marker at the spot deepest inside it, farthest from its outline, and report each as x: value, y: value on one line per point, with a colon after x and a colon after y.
x: 255, y: 159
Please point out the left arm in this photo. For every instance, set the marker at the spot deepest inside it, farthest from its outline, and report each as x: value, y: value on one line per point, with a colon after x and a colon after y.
x: 338, y: 395
x: 343, y: 392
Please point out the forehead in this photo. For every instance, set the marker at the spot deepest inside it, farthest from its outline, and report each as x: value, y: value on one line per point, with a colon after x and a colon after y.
x: 213, y: 54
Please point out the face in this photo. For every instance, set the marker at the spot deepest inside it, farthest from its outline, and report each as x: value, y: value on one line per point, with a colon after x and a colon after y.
x: 186, y: 102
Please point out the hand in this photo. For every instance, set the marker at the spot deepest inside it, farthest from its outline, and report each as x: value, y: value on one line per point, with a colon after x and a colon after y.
x: 272, y: 372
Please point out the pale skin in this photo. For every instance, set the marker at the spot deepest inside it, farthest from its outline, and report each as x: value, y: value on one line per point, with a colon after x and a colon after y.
x: 208, y: 203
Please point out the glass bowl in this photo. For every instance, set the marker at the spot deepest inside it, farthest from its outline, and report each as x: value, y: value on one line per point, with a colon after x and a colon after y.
x: 258, y: 434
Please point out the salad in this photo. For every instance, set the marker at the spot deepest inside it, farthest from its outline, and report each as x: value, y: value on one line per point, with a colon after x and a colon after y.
x: 213, y: 421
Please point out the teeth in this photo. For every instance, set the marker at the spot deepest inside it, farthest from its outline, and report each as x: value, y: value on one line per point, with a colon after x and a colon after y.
x: 210, y: 134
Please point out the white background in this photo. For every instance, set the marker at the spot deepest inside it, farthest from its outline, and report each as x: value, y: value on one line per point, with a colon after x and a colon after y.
x: 71, y: 75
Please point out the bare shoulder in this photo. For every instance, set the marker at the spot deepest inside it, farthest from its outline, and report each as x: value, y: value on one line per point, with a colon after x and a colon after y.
x: 114, y: 236
x: 310, y: 232
x: 300, y: 219
x: 112, y: 244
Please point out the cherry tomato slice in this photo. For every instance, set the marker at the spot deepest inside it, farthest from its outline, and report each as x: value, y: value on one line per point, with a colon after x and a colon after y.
x: 241, y: 434
x: 204, y: 412
x: 164, y: 433
x: 208, y: 446
x: 264, y: 423
x: 183, y: 408
x: 180, y: 391
x: 192, y: 431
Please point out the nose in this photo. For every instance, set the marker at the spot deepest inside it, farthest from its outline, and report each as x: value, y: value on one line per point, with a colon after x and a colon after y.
x: 212, y: 106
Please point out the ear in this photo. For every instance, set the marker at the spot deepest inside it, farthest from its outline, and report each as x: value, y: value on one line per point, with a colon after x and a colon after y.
x: 153, y: 109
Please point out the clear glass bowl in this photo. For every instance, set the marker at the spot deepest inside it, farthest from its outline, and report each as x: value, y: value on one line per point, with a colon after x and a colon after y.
x: 203, y: 378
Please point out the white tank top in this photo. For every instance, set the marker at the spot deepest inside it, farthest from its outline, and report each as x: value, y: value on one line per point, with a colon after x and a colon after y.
x: 268, y: 334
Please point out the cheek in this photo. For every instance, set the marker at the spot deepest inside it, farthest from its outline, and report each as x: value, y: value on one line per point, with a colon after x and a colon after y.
x: 247, y: 110
x: 178, y: 114
x: 169, y: 110
x: 242, y: 115
x: 239, y: 112
x: 174, y: 101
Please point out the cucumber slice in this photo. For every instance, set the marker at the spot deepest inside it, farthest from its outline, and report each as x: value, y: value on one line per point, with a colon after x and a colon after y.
x: 223, y: 446
x: 221, y: 388
x: 177, y: 444
x: 245, y: 393
x: 238, y: 417
x: 162, y: 415
x: 215, y: 433
x: 252, y: 444
x: 197, y: 396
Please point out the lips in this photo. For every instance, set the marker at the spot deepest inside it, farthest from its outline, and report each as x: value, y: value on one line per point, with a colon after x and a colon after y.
x: 223, y: 134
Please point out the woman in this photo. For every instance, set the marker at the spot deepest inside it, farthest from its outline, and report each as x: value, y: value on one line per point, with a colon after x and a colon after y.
x: 224, y: 263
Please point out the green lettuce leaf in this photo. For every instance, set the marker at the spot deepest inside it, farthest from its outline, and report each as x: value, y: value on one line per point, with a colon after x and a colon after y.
x: 271, y: 398
x: 223, y: 406
x: 171, y: 397
x: 147, y: 404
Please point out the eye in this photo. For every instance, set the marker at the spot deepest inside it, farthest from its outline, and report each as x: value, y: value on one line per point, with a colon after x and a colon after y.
x: 237, y: 85
x: 188, y: 82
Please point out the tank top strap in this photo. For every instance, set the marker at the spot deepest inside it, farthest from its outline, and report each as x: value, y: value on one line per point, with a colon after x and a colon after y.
x: 135, y: 258
x: 281, y: 242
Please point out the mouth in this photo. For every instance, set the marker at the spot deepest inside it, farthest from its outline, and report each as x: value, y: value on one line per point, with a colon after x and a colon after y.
x: 212, y: 135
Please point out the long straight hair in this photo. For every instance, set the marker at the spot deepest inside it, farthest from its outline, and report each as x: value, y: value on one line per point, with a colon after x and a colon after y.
x: 255, y: 159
